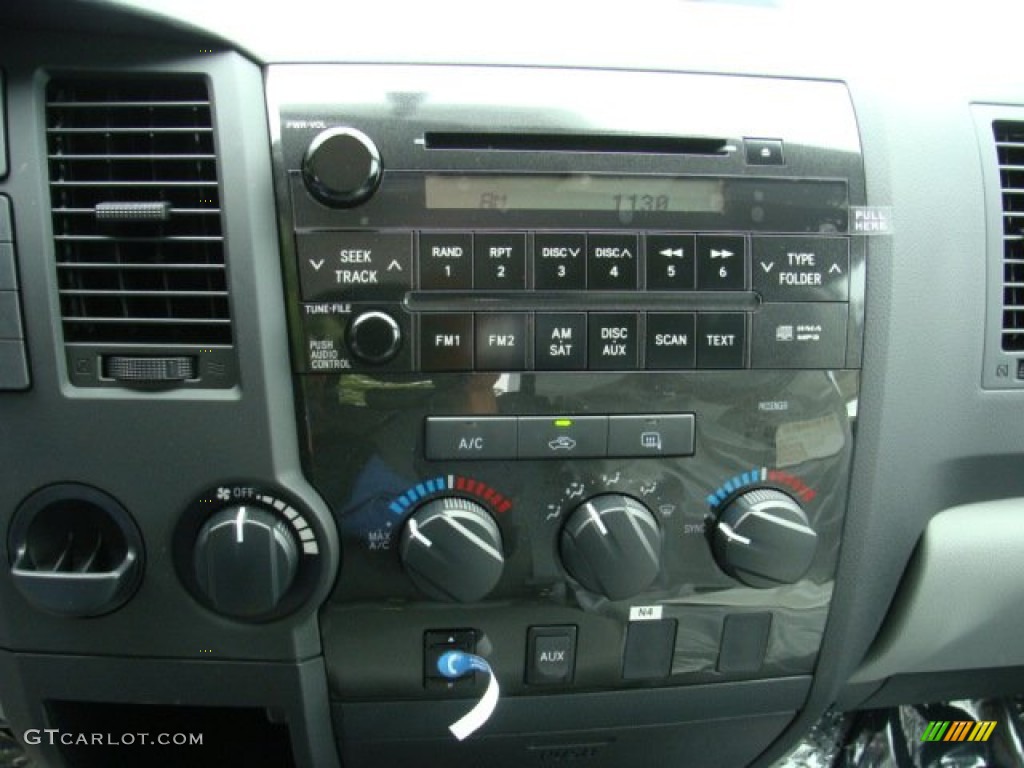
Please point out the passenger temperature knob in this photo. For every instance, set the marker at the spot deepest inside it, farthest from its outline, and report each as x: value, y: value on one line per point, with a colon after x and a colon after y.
x: 763, y: 538
x: 612, y: 544
x: 452, y: 550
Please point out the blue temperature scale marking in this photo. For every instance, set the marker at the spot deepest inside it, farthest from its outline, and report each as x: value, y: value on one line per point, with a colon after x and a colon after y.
x: 733, y: 484
x: 420, y: 491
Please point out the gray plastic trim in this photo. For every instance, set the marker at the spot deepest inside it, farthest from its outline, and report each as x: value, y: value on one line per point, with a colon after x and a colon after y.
x: 959, y: 604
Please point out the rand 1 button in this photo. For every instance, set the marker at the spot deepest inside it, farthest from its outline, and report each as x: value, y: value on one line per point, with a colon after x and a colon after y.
x: 671, y: 343
x: 801, y: 335
x: 721, y: 263
x: 355, y: 265
x: 794, y: 268
x: 612, y: 341
x: 670, y: 434
x: 499, y: 262
x: 446, y: 342
x: 721, y: 339
x: 552, y: 653
x: 446, y: 261
x: 501, y: 341
x: 482, y: 437
x: 612, y: 262
x: 560, y: 341
x: 557, y: 437
x: 559, y: 261
x: 670, y: 262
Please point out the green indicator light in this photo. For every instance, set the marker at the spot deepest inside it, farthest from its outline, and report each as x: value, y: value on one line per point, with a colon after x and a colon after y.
x: 563, y: 422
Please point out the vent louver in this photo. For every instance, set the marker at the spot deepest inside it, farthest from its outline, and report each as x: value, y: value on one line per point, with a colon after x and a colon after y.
x: 1009, y: 136
x: 136, y: 212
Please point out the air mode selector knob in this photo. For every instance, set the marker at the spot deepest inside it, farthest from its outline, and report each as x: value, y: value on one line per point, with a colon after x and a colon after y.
x: 245, y: 560
x: 763, y: 539
x: 452, y: 550
x: 611, y: 544
x: 341, y: 167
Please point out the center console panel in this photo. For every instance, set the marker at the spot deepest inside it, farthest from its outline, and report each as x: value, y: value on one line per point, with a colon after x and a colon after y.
x: 577, y: 360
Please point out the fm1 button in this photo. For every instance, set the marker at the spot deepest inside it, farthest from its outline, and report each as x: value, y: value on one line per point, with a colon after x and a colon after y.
x: 552, y: 655
x: 485, y: 437
x: 446, y: 342
x: 612, y: 341
x: 721, y: 339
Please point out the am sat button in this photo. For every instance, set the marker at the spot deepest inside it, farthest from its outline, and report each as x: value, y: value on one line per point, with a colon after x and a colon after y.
x: 485, y: 437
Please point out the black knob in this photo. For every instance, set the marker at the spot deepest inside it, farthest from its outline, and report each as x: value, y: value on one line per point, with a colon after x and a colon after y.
x: 245, y: 559
x: 373, y: 337
x: 763, y: 538
x: 452, y: 550
x: 341, y: 167
x: 612, y: 544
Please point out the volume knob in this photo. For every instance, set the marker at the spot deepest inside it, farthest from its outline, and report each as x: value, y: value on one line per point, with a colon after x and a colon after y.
x: 763, y: 539
x: 612, y: 544
x: 452, y: 550
x: 341, y: 167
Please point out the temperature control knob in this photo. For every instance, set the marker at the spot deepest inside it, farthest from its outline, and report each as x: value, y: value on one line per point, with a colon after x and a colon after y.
x: 763, y: 538
x: 612, y: 544
x: 452, y: 549
x: 341, y: 167
x: 245, y: 559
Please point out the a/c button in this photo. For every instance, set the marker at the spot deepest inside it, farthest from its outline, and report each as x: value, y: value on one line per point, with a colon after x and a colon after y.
x: 486, y: 437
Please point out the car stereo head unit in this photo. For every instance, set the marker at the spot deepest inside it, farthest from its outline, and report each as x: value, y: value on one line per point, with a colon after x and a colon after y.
x: 577, y: 367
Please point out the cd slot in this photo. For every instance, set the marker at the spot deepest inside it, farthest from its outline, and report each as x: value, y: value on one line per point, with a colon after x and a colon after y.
x: 569, y: 142
x: 505, y: 301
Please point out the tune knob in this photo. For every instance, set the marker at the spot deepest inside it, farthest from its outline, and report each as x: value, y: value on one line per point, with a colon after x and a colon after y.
x: 374, y: 337
x: 612, y: 544
x: 245, y: 559
x: 763, y: 538
x: 452, y: 550
x: 341, y: 167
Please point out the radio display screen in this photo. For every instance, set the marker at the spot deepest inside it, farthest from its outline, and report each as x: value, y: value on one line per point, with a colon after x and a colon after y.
x: 575, y: 192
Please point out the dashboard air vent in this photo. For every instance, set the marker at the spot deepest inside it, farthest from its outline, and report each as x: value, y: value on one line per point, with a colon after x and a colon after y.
x: 1009, y: 137
x: 136, y: 212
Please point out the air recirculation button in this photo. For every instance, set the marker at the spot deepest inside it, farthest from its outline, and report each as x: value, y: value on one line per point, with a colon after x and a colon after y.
x: 74, y: 551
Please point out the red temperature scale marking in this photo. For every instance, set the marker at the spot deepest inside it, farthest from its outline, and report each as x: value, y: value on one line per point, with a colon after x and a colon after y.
x: 465, y: 485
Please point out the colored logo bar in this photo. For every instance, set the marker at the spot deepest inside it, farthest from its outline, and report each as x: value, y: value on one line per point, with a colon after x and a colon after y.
x: 958, y: 730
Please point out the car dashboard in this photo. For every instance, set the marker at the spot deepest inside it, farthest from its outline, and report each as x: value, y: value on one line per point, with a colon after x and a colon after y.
x: 586, y: 390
